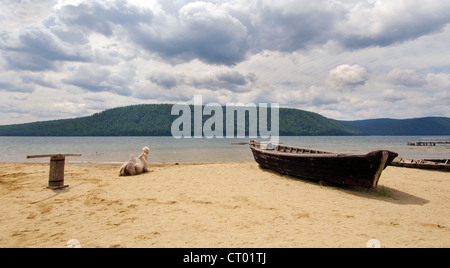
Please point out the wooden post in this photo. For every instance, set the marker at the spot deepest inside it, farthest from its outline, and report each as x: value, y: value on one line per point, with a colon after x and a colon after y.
x: 56, y: 174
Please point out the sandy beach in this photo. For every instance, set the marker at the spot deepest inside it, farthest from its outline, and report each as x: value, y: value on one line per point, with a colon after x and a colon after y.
x: 219, y: 205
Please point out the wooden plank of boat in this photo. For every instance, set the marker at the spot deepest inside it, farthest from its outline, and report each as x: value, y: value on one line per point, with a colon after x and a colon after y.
x: 431, y: 164
x: 341, y: 169
x: 442, y: 161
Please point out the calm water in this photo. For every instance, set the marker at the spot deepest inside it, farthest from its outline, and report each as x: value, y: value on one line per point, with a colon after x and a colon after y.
x: 170, y: 150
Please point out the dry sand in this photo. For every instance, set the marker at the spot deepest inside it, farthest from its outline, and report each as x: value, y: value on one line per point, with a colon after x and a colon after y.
x: 219, y: 205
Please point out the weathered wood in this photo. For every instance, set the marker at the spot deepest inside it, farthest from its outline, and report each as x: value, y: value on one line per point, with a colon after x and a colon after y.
x: 431, y: 164
x: 56, y: 175
x: 340, y: 169
x: 382, y: 166
x: 429, y: 142
x: 244, y: 143
x: 50, y: 155
x: 57, y: 166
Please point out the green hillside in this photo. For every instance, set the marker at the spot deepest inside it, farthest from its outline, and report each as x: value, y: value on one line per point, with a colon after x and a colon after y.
x: 403, y: 127
x: 156, y: 120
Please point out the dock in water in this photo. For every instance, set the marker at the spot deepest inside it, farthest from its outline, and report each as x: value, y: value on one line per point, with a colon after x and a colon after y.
x: 429, y: 142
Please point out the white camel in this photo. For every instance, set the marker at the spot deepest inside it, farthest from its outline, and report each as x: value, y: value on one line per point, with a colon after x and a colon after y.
x: 136, y: 166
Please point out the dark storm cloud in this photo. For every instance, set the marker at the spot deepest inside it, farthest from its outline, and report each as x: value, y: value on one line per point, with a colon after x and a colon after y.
x: 37, y: 79
x: 99, y: 79
x: 94, y: 16
x: 166, y: 80
x: 232, y: 77
x: 37, y: 49
x: 200, y: 31
x: 16, y: 87
x: 396, y: 34
x: 282, y: 31
x: 28, y: 61
x: 220, y: 34
x: 228, y: 80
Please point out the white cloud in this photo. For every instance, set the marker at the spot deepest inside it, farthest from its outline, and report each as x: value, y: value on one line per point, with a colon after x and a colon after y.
x: 347, y: 76
x: 439, y: 81
x: 385, y: 22
x: 406, y: 77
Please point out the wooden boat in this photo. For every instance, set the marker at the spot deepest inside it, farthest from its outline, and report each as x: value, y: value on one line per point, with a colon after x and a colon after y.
x: 340, y: 169
x: 433, y: 164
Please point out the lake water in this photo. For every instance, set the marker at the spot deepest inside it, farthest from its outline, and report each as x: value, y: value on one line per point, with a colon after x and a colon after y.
x: 170, y: 150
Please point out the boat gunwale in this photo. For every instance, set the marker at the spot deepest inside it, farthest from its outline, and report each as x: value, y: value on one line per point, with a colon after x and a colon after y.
x: 321, y: 154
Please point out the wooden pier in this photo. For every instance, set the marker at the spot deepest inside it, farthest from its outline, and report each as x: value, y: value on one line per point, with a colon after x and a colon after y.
x: 429, y: 142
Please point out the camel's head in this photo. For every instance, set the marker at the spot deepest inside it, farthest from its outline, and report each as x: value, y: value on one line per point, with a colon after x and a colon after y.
x: 146, y: 150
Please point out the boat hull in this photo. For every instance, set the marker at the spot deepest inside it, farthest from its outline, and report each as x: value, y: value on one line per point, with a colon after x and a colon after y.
x: 439, y: 164
x: 352, y: 170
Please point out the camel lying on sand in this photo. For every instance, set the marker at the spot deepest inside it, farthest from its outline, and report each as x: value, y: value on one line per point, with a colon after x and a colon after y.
x: 136, y: 166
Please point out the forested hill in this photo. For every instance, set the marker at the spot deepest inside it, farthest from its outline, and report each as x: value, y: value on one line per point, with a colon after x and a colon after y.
x: 403, y: 127
x: 156, y: 120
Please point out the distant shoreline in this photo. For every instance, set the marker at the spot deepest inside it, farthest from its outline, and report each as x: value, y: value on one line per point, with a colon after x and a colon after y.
x: 156, y: 120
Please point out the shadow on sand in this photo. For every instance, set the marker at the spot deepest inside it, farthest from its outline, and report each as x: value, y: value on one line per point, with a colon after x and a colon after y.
x: 56, y: 193
x: 381, y: 192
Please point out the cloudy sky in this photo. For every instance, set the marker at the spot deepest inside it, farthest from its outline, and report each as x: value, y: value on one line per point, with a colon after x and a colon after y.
x: 344, y: 59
